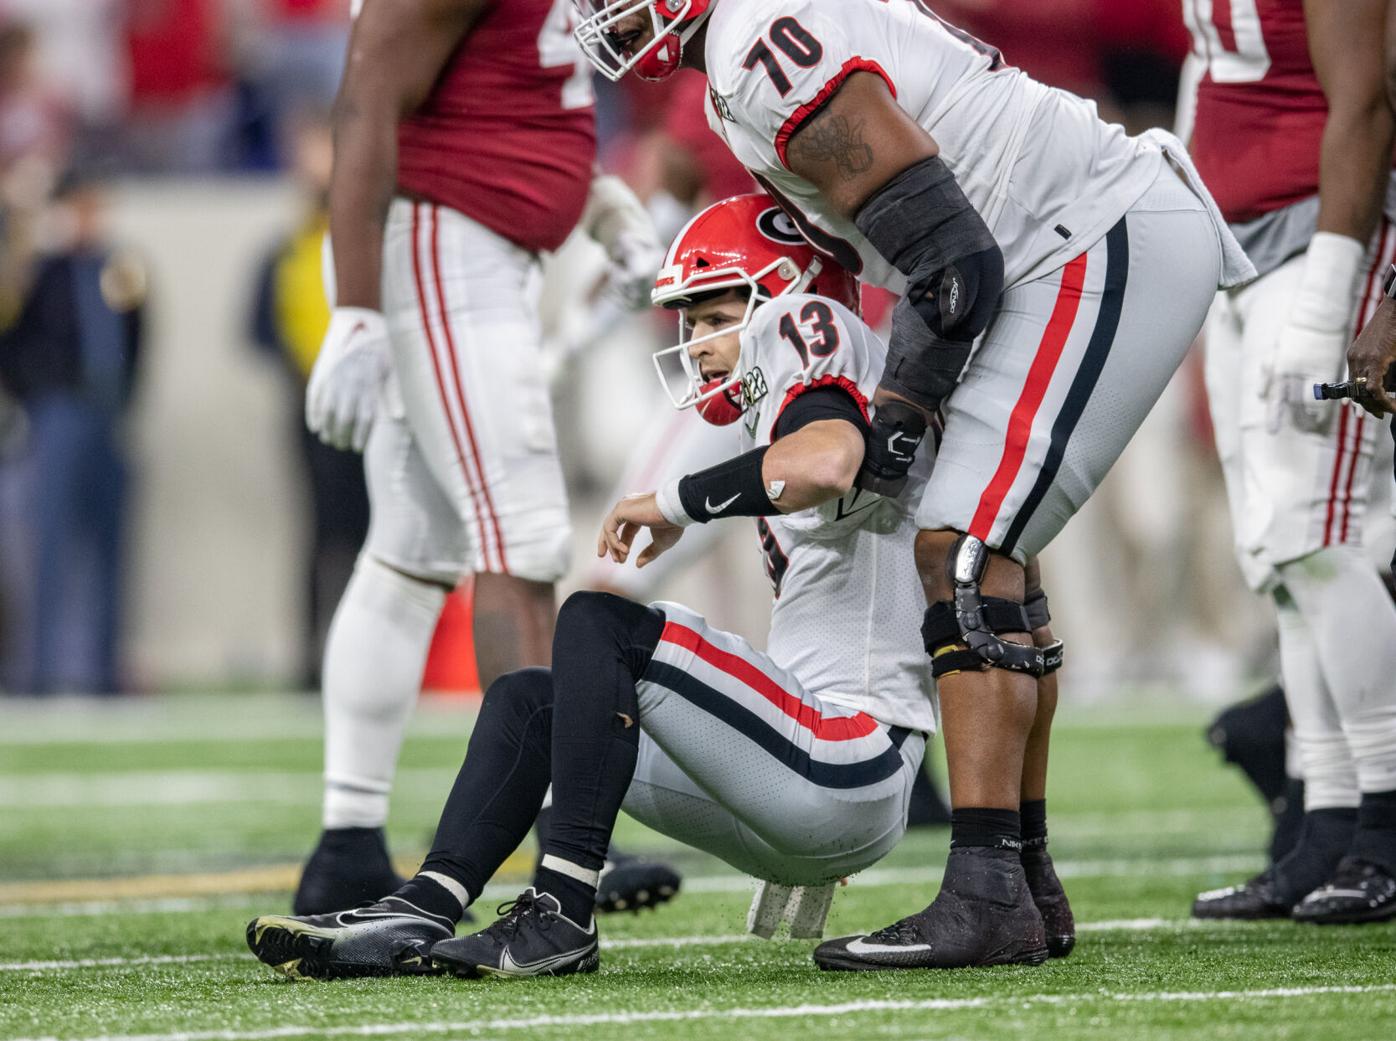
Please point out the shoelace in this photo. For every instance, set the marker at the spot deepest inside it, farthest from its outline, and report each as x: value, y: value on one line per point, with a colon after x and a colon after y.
x: 1351, y: 873
x: 902, y: 932
x: 514, y: 912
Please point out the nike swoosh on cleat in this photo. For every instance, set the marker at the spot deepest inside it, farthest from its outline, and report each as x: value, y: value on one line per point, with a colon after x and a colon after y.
x: 509, y: 967
x: 859, y: 947
x: 708, y: 504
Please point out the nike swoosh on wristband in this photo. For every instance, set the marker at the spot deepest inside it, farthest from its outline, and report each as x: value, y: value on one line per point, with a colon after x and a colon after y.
x: 859, y: 947
x: 708, y: 504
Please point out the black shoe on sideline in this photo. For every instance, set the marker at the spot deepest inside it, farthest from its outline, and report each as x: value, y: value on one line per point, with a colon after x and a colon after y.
x: 350, y: 866
x: 390, y: 938
x: 531, y: 938
x: 984, y: 915
x: 1050, y: 899
x: 1358, y: 892
x: 1255, y: 898
x: 631, y: 883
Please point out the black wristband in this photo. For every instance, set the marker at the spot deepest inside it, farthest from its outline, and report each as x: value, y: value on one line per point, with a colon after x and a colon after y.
x: 731, y: 489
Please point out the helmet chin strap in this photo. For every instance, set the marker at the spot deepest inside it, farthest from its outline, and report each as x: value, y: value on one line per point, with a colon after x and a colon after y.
x: 692, y: 27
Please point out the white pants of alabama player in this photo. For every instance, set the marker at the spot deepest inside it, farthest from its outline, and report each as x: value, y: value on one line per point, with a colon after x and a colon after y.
x: 1068, y: 370
x: 1291, y: 491
x: 462, y: 466
x: 738, y: 758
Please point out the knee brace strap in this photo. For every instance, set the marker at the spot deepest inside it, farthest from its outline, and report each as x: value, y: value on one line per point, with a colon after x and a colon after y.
x: 945, y: 641
x: 1038, y: 615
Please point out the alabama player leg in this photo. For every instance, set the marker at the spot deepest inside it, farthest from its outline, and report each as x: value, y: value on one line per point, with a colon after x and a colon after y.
x: 466, y: 351
x: 415, y: 553
x: 1065, y: 375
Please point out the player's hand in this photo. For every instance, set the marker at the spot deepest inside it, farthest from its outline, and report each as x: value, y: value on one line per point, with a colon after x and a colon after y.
x: 1304, y: 356
x: 1372, y: 356
x: 617, y: 220
x: 623, y: 524
x: 897, y: 432
x: 342, y: 398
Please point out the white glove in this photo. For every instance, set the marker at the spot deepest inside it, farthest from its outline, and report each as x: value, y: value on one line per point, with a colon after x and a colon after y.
x: 346, y: 383
x: 621, y: 225
x: 1313, y: 344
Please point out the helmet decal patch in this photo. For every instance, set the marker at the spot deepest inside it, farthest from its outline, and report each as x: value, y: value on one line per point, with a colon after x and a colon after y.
x: 777, y: 226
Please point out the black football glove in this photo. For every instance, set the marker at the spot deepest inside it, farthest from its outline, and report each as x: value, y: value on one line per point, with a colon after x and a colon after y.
x: 897, y: 432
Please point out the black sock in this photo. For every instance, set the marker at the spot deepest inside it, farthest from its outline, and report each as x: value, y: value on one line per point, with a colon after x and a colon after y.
x: 430, y: 896
x: 1375, y: 839
x: 601, y: 646
x: 1324, y: 838
x: 998, y: 829
x: 1033, y: 815
x: 578, y: 899
x: 501, y: 784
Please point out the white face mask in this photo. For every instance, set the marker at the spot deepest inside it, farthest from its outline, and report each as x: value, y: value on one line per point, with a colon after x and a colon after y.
x: 600, y: 16
x: 686, y: 387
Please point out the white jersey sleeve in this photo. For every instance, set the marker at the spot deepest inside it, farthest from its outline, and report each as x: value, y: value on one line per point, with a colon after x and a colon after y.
x: 796, y: 343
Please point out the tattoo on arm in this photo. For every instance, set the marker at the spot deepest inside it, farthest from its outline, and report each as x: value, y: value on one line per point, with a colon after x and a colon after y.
x: 835, y: 139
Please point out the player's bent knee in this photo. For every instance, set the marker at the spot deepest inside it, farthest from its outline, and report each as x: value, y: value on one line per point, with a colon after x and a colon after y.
x: 592, y: 623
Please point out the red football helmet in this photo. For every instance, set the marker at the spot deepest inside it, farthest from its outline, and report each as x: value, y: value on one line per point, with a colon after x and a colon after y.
x: 672, y: 22
x: 747, y: 242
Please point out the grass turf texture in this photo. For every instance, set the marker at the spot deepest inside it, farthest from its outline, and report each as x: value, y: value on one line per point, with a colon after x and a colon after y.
x: 1142, y: 817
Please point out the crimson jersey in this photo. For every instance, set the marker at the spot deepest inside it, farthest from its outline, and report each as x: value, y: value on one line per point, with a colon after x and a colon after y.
x: 1260, y: 109
x: 508, y: 134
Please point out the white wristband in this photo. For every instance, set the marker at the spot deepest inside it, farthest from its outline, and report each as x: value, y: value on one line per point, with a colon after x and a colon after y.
x: 669, y: 503
x: 1327, y: 296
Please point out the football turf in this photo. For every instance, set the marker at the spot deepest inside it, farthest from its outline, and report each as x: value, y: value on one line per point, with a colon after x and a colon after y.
x: 136, y: 841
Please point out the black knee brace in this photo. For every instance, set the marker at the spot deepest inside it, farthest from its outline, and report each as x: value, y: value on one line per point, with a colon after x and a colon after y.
x: 963, y: 633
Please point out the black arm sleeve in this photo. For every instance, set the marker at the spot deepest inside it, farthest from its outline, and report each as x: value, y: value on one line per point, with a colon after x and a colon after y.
x: 817, y: 404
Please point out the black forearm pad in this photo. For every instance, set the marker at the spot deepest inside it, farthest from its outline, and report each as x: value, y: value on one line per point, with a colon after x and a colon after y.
x: 924, y: 225
x: 731, y: 489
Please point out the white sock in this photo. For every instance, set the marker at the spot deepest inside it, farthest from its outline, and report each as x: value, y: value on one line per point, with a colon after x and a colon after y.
x: 374, y: 659
x: 1353, y: 623
x: 1330, y: 780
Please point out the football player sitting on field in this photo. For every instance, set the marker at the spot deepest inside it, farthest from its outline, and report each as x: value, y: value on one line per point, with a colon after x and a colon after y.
x: 793, y: 765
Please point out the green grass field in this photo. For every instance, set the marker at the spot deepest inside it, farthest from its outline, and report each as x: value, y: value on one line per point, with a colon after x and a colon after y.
x: 136, y: 841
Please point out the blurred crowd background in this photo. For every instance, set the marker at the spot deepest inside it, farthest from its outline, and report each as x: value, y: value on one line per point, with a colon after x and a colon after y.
x: 166, y: 522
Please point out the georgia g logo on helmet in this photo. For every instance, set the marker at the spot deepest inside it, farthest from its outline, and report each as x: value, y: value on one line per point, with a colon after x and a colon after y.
x: 777, y: 226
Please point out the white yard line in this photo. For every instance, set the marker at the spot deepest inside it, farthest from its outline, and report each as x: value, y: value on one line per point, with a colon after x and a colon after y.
x: 1136, y: 925
x: 736, y: 1014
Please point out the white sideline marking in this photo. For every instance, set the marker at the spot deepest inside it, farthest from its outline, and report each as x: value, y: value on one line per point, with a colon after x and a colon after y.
x: 1137, y: 925
x: 780, y: 1012
x: 874, y: 877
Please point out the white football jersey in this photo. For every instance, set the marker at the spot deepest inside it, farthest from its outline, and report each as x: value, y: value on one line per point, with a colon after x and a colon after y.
x: 1048, y: 176
x: 848, y: 608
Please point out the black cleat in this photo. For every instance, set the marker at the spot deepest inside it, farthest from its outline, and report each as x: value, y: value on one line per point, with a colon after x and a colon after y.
x: 1324, y: 838
x: 382, y: 939
x: 1358, y: 892
x: 350, y: 866
x: 630, y: 884
x: 532, y: 938
x: 984, y: 915
x: 1050, y: 899
x: 1260, y: 897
